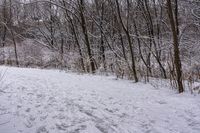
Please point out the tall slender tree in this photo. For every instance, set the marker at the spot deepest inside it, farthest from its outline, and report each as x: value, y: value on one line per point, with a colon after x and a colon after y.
x: 174, y: 27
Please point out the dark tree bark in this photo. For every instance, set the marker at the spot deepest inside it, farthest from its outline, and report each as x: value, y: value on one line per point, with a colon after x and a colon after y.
x: 102, y: 47
x: 4, y: 28
x: 126, y: 30
x: 75, y: 36
x: 151, y: 31
x: 177, y: 60
x: 85, y: 33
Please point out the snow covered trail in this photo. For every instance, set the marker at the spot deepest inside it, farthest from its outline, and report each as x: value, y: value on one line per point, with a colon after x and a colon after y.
x: 49, y: 101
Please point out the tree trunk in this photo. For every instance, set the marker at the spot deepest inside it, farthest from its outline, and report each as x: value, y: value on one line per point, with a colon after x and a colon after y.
x: 177, y: 60
x: 129, y: 40
x: 85, y: 32
x: 75, y: 37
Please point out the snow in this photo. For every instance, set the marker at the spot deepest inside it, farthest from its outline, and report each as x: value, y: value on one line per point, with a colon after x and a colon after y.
x: 53, y: 101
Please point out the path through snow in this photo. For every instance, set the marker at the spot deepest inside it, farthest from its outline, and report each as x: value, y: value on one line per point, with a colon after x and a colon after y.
x: 49, y: 101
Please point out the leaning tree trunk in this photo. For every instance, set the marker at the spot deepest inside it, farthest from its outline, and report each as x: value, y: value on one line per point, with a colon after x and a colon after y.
x: 129, y: 40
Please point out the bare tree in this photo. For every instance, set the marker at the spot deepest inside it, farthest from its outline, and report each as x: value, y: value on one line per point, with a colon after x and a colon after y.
x: 174, y: 28
x: 126, y: 30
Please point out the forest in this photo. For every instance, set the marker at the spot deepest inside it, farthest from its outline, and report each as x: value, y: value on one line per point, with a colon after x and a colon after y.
x: 133, y: 39
x: 99, y: 66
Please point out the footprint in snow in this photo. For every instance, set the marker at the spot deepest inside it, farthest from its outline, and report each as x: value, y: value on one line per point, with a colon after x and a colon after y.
x: 44, y: 117
x: 62, y: 126
x: 77, y: 130
x: 42, y: 129
x: 161, y: 102
x: 28, y: 110
x: 103, y: 128
x: 111, y: 110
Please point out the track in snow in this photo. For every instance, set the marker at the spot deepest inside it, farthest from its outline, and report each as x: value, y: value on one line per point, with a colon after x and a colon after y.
x: 49, y: 101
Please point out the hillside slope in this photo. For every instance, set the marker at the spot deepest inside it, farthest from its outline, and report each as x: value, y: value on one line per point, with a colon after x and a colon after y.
x: 50, y: 101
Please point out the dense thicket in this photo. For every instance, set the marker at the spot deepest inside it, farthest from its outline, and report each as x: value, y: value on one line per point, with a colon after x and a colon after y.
x: 131, y: 38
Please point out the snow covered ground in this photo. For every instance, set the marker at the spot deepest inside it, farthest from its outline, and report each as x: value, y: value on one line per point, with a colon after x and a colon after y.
x: 50, y: 101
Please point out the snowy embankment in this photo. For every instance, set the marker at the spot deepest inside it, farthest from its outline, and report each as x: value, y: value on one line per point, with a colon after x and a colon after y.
x: 49, y: 101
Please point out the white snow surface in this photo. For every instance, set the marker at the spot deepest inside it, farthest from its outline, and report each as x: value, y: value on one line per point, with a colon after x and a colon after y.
x: 53, y: 101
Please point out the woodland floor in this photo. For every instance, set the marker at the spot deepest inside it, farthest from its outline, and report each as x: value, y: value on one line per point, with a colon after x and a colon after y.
x: 52, y: 101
